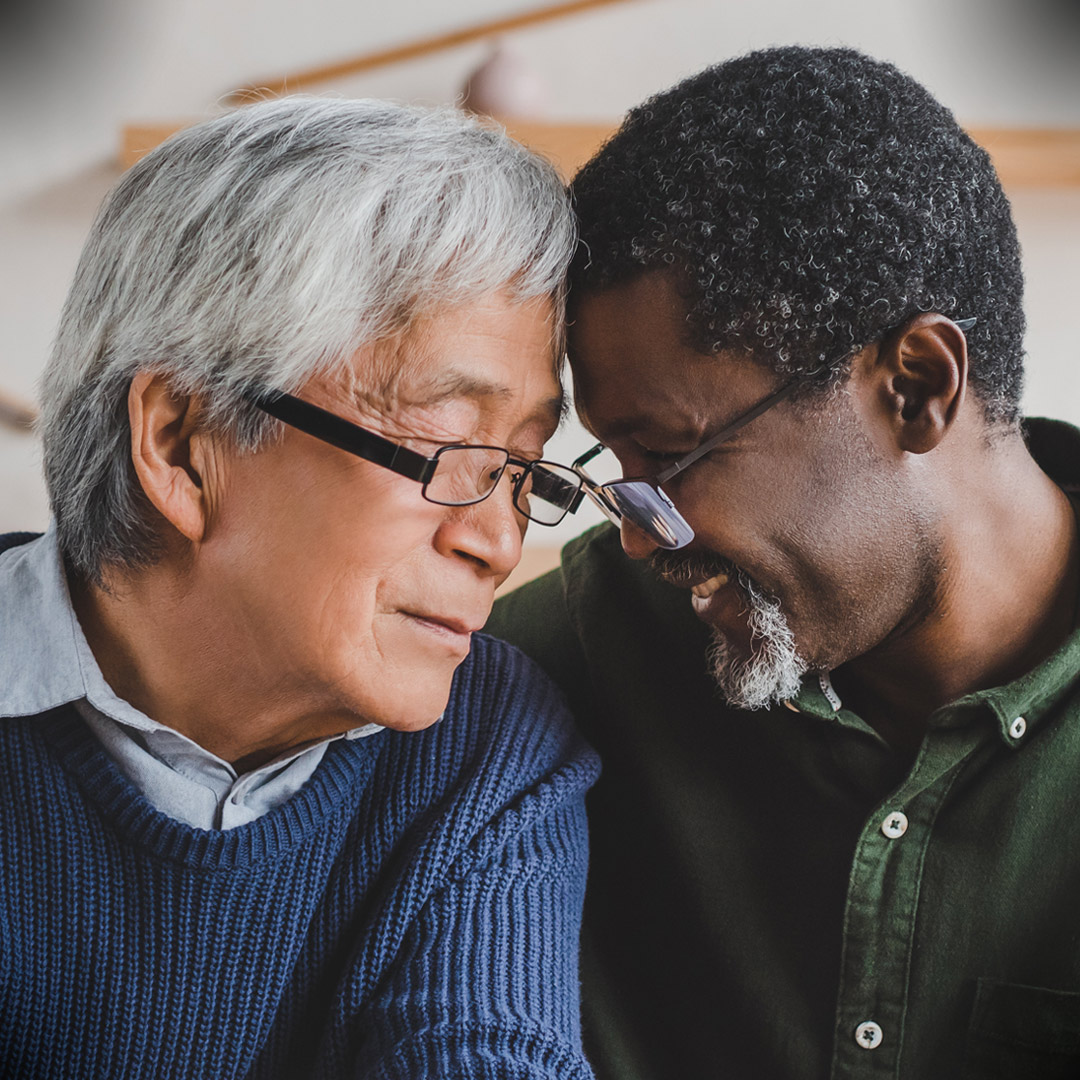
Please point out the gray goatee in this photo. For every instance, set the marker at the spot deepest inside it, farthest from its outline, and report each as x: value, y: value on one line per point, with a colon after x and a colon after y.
x: 773, y: 670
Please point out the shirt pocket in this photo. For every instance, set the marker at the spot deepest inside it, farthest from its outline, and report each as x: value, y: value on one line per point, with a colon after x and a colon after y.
x: 1020, y: 1032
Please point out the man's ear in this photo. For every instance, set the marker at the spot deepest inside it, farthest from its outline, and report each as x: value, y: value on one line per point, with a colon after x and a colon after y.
x: 923, y: 369
x: 166, y: 462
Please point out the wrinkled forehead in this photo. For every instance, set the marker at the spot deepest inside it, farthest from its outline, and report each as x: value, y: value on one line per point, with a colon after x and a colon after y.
x: 499, y: 357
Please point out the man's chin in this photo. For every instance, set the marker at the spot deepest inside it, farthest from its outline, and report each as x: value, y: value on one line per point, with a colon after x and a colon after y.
x: 414, y: 713
x: 758, y: 678
x: 409, y: 695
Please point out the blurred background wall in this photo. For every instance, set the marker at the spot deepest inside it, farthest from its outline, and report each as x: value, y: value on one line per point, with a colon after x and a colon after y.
x: 74, y: 72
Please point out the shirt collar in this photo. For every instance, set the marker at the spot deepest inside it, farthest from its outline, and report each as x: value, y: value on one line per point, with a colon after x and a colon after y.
x: 40, y: 664
x: 46, y: 661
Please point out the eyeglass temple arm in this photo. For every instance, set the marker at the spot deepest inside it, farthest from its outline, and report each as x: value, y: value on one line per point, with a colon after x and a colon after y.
x: 753, y: 414
x: 725, y: 434
x: 324, y: 425
x: 722, y: 436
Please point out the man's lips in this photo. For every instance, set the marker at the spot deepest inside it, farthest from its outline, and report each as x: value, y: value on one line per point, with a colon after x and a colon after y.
x: 705, y: 570
x: 446, y: 622
x: 714, y: 582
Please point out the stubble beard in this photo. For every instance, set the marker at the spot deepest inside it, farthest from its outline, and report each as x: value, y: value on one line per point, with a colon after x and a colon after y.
x: 773, y: 670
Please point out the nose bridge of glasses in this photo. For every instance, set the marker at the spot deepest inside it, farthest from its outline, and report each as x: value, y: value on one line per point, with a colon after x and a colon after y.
x: 544, y: 491
x: 600, y: 499
x: 594, y: 490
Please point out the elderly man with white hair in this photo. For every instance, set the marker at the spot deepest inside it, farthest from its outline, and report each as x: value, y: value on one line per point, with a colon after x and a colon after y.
x: 267, y: 807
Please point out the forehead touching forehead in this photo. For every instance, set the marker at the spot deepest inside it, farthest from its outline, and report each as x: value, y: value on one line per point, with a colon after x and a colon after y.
x: 637, y: 369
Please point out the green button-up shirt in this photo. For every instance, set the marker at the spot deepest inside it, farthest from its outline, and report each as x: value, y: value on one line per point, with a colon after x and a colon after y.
x: 777, y: 895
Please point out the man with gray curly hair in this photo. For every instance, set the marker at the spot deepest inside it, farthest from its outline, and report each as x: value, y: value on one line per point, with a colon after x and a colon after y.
x: 797, y: 321
x: 268, y: 808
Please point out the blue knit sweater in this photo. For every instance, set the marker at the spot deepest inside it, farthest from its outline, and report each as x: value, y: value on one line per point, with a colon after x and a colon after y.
x: 411, y: 913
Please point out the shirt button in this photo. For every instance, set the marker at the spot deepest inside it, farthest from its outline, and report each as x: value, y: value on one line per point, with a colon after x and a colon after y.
x: 1018, y: 727
x: 894, y: 825
x: 868, y: 1035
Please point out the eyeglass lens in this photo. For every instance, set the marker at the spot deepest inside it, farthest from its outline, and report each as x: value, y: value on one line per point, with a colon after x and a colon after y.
x: 547, y: 492
x: 650, y: 510
x: 544, y: 492
x: 465, y: 474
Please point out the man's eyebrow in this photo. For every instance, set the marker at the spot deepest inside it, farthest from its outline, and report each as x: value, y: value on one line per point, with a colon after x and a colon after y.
x: 550, y: 412
x: 456, y: 384
x: 448, y: 386
x: 554, y: 409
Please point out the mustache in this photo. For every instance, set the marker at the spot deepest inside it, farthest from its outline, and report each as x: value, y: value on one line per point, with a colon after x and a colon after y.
x: 683, y: 569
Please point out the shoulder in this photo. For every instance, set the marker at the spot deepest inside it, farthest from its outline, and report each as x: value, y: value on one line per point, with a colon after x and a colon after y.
x: 595, y: 579
x: 504, y: 761
x: 497, y: 669
x: 506, y: 732
x: 504, y: 708
x: 14, y: 539
x: 600, y: 614
x: 540, y: 617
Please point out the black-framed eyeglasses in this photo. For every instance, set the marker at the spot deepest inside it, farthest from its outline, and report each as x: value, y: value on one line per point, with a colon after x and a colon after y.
x: 456, y: 475
x: 643, y: 502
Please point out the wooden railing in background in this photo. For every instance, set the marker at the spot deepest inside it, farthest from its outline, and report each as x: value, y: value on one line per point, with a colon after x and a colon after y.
x: 415, y: 49
x: 1023, y: 157
x: 1032, y: 157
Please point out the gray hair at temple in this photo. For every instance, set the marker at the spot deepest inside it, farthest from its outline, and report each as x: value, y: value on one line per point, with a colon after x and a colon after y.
x: 263, y: 248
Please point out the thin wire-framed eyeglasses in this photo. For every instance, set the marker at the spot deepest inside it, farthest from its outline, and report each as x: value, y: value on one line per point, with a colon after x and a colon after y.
x: 643, y: 502
x: 456, y: 475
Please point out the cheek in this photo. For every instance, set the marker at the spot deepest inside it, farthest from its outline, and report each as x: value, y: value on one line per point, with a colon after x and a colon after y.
x: 809, y: 520
x: 314, y: 571
x: 857, y: 556
x: 318, y: 542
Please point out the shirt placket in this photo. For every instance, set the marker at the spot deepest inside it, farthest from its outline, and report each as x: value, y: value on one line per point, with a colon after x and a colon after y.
x: 882, y: 909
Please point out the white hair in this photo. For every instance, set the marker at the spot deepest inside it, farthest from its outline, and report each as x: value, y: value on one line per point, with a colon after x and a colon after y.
x: 773, y: 671
x: 263, y: 248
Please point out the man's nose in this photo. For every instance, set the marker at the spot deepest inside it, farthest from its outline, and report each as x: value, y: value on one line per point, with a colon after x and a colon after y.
x: 635, y: 541
x: 488, y: 533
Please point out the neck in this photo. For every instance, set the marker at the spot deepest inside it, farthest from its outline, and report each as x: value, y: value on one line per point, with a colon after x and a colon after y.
x: 168, y: 649
x: 1004, y: 601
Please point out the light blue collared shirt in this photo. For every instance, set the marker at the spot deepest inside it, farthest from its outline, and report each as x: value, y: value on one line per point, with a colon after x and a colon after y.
x: 45, y: 662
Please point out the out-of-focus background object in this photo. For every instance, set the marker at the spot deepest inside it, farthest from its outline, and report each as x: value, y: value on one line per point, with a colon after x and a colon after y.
x: 15, y: 413
x: 87, y: 85
x: 506, y: 85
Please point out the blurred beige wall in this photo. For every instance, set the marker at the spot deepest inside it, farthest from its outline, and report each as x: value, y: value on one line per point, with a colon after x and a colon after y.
x: 88, y: 68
